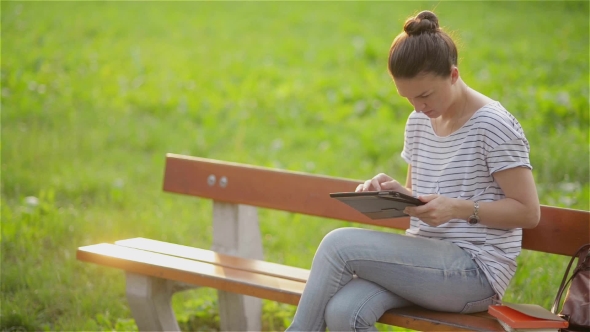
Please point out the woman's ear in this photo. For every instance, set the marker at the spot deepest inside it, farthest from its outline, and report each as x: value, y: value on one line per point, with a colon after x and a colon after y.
x: 454, y: 74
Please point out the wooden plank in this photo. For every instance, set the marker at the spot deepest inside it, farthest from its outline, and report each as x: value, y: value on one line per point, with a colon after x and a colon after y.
x: 560, y: 231
x: 254, y: 284
x: 410, y: 316
x: 192, y: 272
x: 422, y: 319
x: 211, y: 257
x: 265, y: 187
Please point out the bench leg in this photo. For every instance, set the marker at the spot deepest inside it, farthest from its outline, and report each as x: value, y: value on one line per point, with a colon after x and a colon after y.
x: 238, y: 312
x: 236, y: 232
x: 149, y: 299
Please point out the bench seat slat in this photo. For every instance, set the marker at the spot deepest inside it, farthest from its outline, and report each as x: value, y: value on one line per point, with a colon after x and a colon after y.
x: 208, y: 256
x: 427, y: 320
x: 454, y: 321
x: 192, y: 272
x: 250, y: 282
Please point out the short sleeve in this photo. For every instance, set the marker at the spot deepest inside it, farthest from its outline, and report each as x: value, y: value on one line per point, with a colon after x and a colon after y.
x: 509, y: 154
x: 408, y: 144
x: 409, y: 137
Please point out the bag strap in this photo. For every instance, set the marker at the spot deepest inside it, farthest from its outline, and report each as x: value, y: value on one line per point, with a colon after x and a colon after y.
x: 564, y: 283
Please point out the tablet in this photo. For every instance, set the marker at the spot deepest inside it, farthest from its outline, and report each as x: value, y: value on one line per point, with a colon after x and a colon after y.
x: 378, y: 204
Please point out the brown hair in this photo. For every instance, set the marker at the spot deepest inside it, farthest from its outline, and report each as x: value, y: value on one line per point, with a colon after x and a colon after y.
x: 422, y: 48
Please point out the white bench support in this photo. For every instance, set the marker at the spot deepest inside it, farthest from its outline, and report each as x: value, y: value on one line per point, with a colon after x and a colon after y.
x: 149, y: 300
x: 236, y: 232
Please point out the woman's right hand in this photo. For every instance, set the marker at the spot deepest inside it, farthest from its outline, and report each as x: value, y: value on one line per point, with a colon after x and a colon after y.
x: 380, y: 182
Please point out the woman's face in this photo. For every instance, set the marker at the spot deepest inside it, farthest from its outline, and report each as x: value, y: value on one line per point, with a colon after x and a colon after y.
x: 430, y: 94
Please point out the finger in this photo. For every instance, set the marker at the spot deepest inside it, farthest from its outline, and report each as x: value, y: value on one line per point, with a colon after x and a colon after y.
x: 419, y: 211
x: 375, y: 184
x: 413, y: 212
x: 427, y: 198
x: 366, y: 185
x: 391, y: 185
x: 359, y: 188
x: 382, y: 177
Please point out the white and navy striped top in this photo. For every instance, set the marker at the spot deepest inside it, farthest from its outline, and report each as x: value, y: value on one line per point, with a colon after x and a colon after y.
x: 461, y: 166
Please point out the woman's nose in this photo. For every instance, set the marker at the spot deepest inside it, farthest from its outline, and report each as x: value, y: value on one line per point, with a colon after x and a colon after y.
x: 418, y: 106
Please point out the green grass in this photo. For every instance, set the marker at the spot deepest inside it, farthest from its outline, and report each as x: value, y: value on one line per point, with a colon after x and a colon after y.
x: 95, y: 93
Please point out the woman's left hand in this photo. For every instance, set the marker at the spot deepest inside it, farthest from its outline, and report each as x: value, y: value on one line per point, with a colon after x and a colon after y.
x: 437, y: 210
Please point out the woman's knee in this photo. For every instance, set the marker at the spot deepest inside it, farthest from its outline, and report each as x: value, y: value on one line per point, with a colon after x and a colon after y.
x: 358, y: 306
x: 350, y: 315
x: 337, y: 316
x: 339, y: 238
x: 341, y: 314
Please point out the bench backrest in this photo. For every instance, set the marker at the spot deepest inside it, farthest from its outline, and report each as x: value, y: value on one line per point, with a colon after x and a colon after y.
x: 560, y: 231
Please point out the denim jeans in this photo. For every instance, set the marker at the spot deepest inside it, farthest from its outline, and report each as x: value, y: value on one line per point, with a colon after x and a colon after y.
x: 358, y: 274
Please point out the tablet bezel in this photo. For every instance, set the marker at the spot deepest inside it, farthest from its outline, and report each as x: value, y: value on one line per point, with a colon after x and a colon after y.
x: 400, y: 197
x: 399, y: 202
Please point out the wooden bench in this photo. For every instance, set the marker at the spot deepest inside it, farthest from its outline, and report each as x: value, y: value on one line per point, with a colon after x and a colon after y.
x: 155, y: 270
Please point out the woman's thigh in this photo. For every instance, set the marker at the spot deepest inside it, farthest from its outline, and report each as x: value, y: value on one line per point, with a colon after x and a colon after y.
x: 434, y: 274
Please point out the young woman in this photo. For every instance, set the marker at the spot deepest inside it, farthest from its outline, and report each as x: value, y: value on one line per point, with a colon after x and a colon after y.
x: 468, y: 159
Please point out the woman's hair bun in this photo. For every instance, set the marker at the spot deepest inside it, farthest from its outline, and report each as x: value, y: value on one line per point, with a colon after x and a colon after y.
x: 425, y: 21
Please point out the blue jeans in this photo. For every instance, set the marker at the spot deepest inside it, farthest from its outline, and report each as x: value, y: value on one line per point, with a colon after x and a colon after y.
x: 358, y: 274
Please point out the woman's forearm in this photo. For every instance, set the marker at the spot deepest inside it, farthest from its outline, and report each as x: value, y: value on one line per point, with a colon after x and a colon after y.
x: 505, y: 213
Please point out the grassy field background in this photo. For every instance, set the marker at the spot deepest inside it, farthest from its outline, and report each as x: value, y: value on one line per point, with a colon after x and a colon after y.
x: 95, y: 93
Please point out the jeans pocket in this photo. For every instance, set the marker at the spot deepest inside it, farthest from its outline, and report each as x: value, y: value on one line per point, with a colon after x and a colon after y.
x: 477, y: 306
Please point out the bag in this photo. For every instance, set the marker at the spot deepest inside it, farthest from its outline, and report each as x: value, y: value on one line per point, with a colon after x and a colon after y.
x: 576, y: 307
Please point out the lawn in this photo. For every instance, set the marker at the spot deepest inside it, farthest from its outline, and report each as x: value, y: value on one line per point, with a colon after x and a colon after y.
x: 94, y: 94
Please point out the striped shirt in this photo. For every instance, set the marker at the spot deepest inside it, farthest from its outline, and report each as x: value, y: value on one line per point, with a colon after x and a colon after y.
x: 461, y: 166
